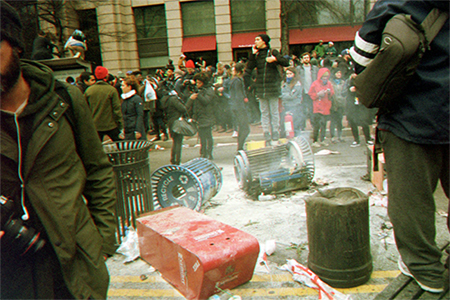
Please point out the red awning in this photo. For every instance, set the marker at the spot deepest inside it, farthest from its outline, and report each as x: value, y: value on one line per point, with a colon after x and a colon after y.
x: 199, y: 43
x: 326, y: 34
x: 244, y: 40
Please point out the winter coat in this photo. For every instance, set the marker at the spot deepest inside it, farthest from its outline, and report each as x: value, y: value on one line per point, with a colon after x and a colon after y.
x: 303, y: 79
x: 321, y: 105
x: 68, y: 181
x: 104, y: 102
x: 237, y: 93
x: 424, y: 114
x: 268, y: 77
x: 339, y: 99
x: 355, y: 111
x: 291, y: 96
x: 173, y: 107
x: 133, y: 114
x: 202, y: 108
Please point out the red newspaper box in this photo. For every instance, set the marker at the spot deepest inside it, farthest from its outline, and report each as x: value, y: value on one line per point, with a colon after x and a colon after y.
x: 195, y: 253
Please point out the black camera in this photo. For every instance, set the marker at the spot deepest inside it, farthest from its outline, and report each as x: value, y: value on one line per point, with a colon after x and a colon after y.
x: 18, y: 237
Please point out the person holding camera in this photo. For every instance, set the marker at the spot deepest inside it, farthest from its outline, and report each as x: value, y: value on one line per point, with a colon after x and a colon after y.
x: 57, y: 184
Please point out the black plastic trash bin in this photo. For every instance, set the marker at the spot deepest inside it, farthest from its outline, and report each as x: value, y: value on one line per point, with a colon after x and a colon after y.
x: 338, y: 236
x: 133, y: 181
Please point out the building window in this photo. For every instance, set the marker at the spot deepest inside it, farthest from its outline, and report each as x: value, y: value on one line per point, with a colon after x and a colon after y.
x: 198, y: 18
x: 327, y: 12
x: 151, y: 31
x: 248, y: 15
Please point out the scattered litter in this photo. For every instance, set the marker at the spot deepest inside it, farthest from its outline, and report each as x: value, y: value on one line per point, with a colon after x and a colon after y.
x: 143, y: 277
x: 225, y: 144
x: 270, y: 246
x: 327, y: 152
x: 442, y: 213
x: 269, y: 197
x: 130, y: 245
x: 305, y: 276
x: 321, y: 182
x: 377, y: 199
x: 262, y: 265
x: 157, y: 147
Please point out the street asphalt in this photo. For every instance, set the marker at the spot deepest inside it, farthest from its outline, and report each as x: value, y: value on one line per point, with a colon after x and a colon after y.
x: 284, y: 222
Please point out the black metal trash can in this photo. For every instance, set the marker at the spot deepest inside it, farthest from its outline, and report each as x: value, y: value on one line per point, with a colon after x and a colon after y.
x: 338, y: 236
x: 133, y: 182
x: 190, y: 184
x: 275, y: 169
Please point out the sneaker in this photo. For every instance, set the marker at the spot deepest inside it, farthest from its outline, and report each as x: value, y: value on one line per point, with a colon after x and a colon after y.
x: 404, y: 269
x: 334, y: 140
x: 324, y: 143
x: 355, y: 144
x: 235, y: 134
x: 316, y: 144
x: 369, y: 143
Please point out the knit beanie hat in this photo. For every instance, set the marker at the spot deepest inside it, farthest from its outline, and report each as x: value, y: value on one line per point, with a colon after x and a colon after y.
x: 190, y: 64
x: 101, y: 72
x: 11, y: 29
x: 265, y: 38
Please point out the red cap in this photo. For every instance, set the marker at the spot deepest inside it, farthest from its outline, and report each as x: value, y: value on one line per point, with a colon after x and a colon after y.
x: 101, y: 72
x: 190, y: 64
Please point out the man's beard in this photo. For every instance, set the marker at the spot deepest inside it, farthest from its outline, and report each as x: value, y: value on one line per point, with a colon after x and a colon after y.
x: 10, y: 76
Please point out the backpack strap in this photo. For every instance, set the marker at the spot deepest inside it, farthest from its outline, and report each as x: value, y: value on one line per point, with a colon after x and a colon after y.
x: 433, y: 24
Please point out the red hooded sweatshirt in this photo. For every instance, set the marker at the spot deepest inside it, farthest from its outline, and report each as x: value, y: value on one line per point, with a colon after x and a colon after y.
x: 321, y: 105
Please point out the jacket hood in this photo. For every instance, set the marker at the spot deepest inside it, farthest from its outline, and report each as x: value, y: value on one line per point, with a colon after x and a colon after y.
x: 321, y: 72
x: 41, y: 81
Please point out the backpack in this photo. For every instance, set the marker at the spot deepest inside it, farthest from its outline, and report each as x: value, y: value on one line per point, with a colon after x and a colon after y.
x: 403, y: 45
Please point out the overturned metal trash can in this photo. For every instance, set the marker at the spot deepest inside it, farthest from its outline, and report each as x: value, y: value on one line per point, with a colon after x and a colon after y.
x: 133, y: 182
x: 275, y: 169
x: 190, y: 184
x: 338, y: 236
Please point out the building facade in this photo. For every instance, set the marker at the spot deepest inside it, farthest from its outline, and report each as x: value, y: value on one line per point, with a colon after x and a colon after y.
x: 145, y: 34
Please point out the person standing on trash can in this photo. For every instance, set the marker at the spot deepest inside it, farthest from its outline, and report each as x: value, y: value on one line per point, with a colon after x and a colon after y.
x: 55, y: 178
x: 268, y: 83
x: 132, y: 111
x: 201, y: 104
x: 415, y: 140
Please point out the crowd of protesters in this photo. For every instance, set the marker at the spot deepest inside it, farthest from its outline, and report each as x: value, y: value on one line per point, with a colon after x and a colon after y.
x: 315, y: 88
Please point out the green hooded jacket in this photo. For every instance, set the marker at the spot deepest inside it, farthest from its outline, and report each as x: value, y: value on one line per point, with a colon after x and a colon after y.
x: 67, y: 180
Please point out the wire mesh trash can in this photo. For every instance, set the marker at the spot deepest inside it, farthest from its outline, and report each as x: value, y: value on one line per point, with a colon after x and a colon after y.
x: 275, y: 169
x: 338, y: 236
x: 133, y: 182
x: 190, y: 184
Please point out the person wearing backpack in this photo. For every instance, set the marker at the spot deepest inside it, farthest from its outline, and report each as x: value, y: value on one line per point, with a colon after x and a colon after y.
x: 415, y: 140
x: 59, y: 179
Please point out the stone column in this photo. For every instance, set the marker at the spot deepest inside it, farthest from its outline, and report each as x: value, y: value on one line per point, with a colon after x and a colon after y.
x: 223, y: 30
x: 174, y: 29
x: 117, y: 35
x: 273, y: 23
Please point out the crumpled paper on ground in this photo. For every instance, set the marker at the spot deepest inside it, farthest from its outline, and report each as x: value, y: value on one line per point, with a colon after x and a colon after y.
x: 130, y: 245
x: 305, y: 276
